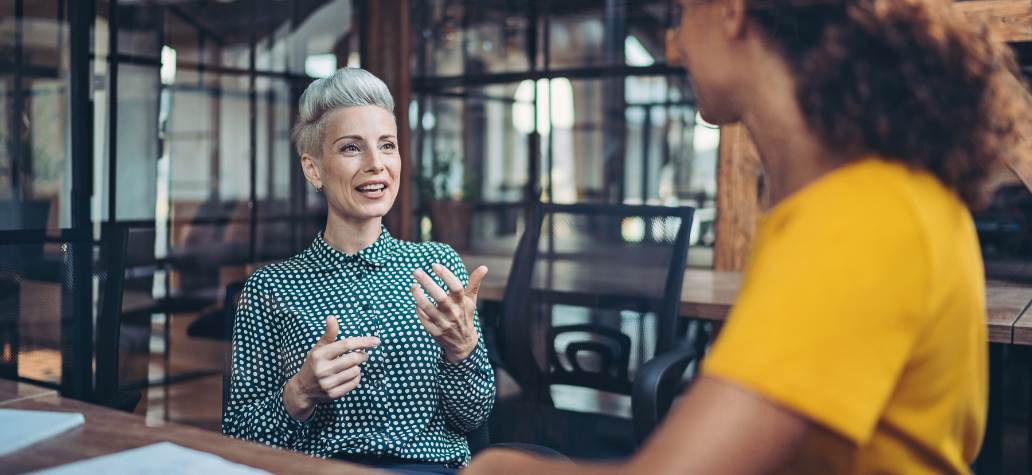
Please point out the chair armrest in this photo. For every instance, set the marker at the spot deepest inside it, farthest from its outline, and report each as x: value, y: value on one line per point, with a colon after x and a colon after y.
x: 655, y: 386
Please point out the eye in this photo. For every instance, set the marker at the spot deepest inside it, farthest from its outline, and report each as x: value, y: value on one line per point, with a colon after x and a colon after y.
x: 350, y: 148
x: 388, y: 146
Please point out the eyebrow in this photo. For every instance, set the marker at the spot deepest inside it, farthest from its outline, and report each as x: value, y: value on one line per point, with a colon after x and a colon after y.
x: 356, y: 137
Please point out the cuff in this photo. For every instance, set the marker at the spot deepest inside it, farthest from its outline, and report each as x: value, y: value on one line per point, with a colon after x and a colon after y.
x: 287, y: 421
x: 475, y: 362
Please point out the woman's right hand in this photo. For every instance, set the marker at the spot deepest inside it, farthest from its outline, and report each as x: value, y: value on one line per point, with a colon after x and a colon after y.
x: 329, y: 372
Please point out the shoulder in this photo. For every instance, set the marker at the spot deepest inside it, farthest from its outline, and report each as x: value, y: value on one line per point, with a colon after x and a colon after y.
x: 270, y: 274
x: 429, y: 250
x: 873, y: 201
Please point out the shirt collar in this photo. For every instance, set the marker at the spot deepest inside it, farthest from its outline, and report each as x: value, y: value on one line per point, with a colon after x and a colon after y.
x: 376, y: 254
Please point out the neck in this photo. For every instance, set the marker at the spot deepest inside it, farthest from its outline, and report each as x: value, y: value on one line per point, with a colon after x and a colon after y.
x: 793, y: 155
x: 349, y: 235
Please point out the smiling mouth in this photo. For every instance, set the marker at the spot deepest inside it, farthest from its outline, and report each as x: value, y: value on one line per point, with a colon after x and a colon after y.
x: 372, y: 188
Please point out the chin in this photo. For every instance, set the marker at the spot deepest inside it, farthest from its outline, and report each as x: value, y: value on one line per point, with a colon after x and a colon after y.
x: 719, y: 116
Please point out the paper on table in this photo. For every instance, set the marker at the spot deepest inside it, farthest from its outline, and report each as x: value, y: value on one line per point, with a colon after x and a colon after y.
x: 20, y: 428
x: 157, y: 459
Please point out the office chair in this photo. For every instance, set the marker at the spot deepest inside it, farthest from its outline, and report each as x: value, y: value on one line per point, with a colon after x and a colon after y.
x: 593, y: 294
x: 56, y: 327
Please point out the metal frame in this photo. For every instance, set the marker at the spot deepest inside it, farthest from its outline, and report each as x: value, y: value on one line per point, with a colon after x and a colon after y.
x: 516, y: 335
x: 538, y: 49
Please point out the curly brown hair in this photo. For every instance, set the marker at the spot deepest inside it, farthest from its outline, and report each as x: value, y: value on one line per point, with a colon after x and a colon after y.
x: 911, y: 80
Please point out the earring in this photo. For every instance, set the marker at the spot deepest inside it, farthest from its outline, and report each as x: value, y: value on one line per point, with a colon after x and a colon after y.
x: 318, y: 190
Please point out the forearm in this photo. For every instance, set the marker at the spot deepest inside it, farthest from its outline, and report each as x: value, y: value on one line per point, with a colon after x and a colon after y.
x: 296, y: 403
x: 719, y: 429
x: 501, y: 461
x: 467, y: 390
x: 264, y: 420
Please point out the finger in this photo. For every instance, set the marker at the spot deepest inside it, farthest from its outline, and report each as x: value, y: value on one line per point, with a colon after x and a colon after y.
x: 342, y: 390
x: 332, y: 329
x: 337, y: 365
x: 428, y: 323
x: 329, y: 383
x: 431, y: 287
x: 475, y: 279
x: 455, y: 286
x: 424, y: 304
x: 345, y: 345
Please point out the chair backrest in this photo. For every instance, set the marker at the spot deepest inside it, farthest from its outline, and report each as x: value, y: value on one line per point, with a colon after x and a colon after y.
x: 593, y: 293
x: 60, y: 309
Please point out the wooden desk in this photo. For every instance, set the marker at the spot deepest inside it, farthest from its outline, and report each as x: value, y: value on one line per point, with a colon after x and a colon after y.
x: 1023, y: 332
x: 107, y: 431
x: 14, y: 391
x: 710, y: 294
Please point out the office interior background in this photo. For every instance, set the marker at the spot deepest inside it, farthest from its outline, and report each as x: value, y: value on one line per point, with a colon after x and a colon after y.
x: 172, y: 118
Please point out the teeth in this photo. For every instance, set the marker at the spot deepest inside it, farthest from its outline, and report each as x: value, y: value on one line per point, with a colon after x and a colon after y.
x: 377, y: 187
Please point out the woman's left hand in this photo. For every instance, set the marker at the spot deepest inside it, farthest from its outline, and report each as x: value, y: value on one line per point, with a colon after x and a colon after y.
x: 450, y: 322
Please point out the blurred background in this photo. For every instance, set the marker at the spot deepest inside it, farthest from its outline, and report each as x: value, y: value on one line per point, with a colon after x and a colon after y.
x: 172, y: 118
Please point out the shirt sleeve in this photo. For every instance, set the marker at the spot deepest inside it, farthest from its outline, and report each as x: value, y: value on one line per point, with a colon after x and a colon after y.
x: 468, y: 386
x: 832, y: 302
x: 255, y: 410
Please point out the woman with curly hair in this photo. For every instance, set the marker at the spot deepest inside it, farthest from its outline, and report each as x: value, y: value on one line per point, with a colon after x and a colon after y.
x: 857, y: 343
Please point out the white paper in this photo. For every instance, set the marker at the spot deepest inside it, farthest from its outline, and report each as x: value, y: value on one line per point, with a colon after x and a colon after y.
x: 157, y: 459
x: 19, y: 429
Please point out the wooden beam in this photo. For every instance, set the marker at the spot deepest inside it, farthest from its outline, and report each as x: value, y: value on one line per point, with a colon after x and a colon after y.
x: 386, y: 54
x: 1009, y: 21
x: 673, y: 56
x: 741, y: 198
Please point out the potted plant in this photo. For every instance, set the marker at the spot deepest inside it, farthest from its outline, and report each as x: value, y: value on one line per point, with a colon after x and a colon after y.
x: 449, y: 192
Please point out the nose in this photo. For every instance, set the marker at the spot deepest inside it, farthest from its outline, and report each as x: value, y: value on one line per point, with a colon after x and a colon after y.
x: 373, y: 162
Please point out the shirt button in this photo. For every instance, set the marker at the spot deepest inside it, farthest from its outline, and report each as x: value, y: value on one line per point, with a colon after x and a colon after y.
x: 365, y: 307
x: 358, y: 276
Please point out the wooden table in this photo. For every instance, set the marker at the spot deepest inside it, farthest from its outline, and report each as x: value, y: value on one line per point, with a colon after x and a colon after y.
x: 11, y: 391
x: 107, y: 431
x: 710, y: 294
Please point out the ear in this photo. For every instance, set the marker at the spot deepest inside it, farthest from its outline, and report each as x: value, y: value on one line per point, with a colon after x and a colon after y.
x: 733, y: 13
x: 310, y: 166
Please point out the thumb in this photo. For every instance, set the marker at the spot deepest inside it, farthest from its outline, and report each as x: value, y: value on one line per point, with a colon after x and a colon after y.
x: 475, y: 279
x: 332, y: 329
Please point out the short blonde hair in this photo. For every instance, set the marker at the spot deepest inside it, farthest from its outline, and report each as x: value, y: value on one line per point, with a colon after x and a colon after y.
x: 348, y: 87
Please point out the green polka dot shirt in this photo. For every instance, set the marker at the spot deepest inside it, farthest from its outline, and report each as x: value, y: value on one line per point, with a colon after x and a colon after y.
x: 411, y: 402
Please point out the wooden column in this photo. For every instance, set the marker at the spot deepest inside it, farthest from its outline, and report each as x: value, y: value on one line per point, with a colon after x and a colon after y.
x: 740, y: 197
x: 385, y: 53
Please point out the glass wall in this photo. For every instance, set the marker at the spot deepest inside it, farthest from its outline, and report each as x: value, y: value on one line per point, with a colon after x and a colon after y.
x: 566, y: 102
x: 35, y: 148
x: 191, y: 104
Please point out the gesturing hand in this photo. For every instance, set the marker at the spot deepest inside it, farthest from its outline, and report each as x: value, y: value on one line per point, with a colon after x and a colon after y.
x: 329, y: 372
x: 450, y: 322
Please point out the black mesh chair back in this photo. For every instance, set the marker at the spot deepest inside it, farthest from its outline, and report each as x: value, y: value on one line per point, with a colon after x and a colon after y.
x: 60, y: 309
x: 593, y: 294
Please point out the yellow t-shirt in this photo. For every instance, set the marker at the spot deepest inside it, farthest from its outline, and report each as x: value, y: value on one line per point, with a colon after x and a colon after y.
x: 862, y: 308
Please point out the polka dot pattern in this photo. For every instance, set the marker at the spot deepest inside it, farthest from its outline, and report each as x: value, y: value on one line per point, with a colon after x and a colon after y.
x: 412, y: 403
